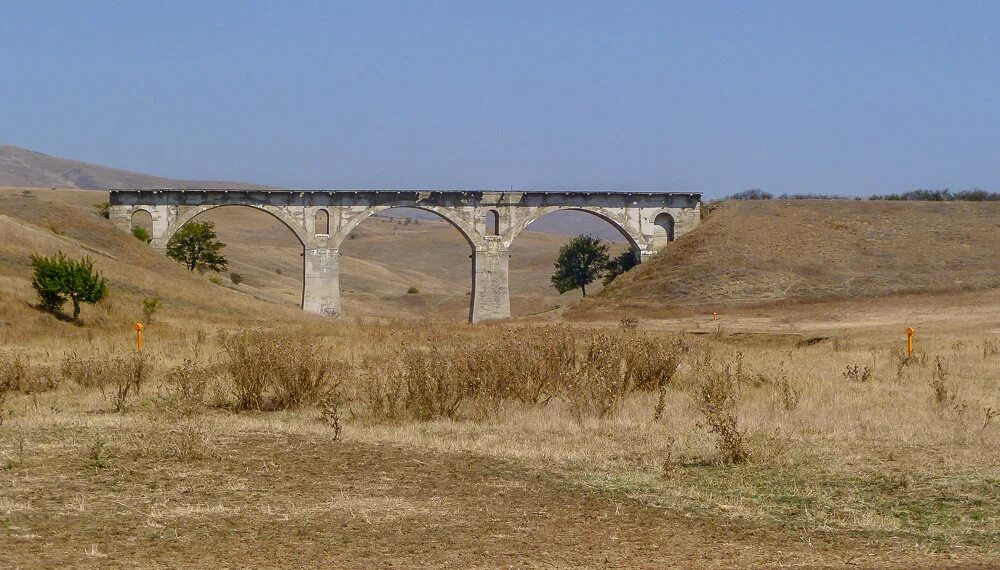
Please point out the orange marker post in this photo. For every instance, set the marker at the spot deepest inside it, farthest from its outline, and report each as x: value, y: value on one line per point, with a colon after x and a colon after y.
x: 138, y: 335
x: 909, y: 341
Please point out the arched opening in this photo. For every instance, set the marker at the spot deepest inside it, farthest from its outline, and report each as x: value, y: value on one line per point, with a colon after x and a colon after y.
x: 408, y: 263
x: 142, y: 219
x: 664, y: 222
x: 264, y: 255
x: 492, y: 219
x: 322, y: 223
x: 535, y: 250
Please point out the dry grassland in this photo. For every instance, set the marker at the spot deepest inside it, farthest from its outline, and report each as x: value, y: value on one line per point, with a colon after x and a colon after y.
x: 575, y: 447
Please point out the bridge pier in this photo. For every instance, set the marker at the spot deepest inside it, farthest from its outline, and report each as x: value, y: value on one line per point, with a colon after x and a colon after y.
x: 321, y: 281
x: 490, y: 282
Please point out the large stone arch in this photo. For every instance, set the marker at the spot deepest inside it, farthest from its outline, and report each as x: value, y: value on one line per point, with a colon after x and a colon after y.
x: 639, y: 244
x: 447, y: 213
x: 185, y: 214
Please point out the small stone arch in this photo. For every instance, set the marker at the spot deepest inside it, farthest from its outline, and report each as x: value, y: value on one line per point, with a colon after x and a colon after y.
x: 141, y: 218
x: 665, y: 223
x: 492, y: 221
x: 322, y: 222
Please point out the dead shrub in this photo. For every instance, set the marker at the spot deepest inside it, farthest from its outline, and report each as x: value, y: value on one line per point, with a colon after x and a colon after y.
x: 85, y: 372
x: 990, y: 348
x: 943, y: 394
x: 384, y: 390
x: 433, y: 388
x: 18, y: 375
x: 717, y: 401
x: 127, y: 375
x: 291, y: 365
x: 188, y: 441
x: 856, y: 373
x: 330, y: 414
x: 438, y: 376
x: 185, y: 388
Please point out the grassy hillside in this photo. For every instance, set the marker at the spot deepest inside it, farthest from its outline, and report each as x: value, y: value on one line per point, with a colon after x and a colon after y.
x: 758, y: 252
x: 49, y: 221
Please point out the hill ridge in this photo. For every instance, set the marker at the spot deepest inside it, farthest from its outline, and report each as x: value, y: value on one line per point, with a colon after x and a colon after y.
x: 25, y: 168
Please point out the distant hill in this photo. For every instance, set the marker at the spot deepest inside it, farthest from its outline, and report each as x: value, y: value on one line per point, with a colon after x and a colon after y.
x: 23, y: 168
x: 762, y: 252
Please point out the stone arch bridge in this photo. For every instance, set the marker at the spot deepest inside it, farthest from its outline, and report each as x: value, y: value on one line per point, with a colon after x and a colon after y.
x: 488, y: 220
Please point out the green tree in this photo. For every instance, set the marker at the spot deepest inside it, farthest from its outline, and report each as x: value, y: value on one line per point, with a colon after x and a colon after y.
x: 197, y: 247
x: 580, y: 261
x: 59, y: 279
x: 618, y: 265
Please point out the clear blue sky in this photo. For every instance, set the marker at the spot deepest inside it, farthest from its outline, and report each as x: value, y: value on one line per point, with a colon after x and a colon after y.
x: 844, y: 97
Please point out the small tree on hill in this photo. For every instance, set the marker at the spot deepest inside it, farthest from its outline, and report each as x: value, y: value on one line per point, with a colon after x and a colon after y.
x: 618, y: 265
x: 580, y: 261
x: 197, y: 247
x: 58, y: 279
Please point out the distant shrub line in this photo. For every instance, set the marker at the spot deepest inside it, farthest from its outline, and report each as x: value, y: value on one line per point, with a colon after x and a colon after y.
x: 976, y: 195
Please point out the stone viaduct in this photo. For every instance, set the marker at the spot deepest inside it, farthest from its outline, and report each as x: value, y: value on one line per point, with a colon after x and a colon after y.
x: 488, y: 220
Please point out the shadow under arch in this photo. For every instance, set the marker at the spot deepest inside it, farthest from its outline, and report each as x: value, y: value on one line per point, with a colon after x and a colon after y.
x: 401, y: 260
x: 259, y: 247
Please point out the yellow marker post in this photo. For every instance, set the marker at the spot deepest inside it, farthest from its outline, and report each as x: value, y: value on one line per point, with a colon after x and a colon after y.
x: 909, y: 341
x: 138, y: 335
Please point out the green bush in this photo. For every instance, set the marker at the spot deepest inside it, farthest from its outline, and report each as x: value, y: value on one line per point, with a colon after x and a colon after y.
x: 103, y: 209
x: 59, y: 279
x: 149, y: 307
x: 142, y: 234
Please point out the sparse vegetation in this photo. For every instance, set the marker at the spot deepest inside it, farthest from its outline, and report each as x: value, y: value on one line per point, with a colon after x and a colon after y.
x: 412, y: 291
x: 150, y: 306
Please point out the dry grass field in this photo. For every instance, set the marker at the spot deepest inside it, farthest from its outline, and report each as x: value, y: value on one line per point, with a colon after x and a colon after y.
x: 250, y: 434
